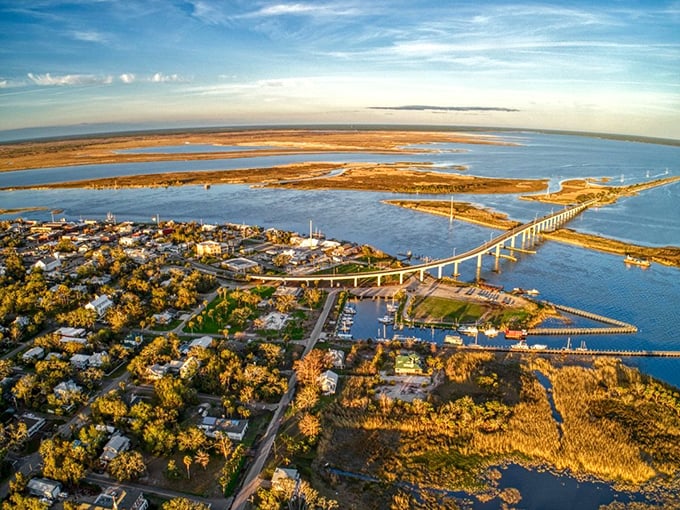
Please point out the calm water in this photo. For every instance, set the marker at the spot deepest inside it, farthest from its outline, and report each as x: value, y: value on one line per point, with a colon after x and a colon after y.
x: 601, y: 283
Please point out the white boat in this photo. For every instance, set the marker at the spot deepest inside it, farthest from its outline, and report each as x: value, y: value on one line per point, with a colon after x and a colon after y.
x: 532, y: 292
x: 636, y: 261
x: 491, y: 332
x: 345, y: 336
x: 392, y: 308
x: 469, y: 329
x: 453, y: 339
x: 386, y: 319
x: 349, y: 310
x: 539, y: 347
x: 521, y: 346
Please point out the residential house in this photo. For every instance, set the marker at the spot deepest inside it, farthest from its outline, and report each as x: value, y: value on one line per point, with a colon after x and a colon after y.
x: 117, y: 498
x: 208, y: 248
x: 44, y: 488
x: 115, y: 446
x: 234, y: 429
x: 100, y: 305
x: 65, y: 389
x: 408, y: 364
x: 328, y: 381
x: 204, y: 342
x: 282, y: 475
x: 48, y: 264
x: 80, y: 361
x: 337, y: 358
x: 33, y: 423
x: 33, y: 354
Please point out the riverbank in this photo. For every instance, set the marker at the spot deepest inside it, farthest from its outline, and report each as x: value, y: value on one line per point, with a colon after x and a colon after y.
x: 390, y: 177
x: 667, y: 255
x: 237, y: 144
x: 581, y: 190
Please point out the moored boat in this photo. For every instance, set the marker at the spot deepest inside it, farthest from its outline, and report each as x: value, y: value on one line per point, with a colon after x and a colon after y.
x: 468, y: 329
x: 453, y: 339
x: 628, y: 259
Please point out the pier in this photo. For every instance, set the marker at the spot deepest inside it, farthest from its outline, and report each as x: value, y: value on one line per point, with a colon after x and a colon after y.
x: 616, y: 327
x: 572, y: 352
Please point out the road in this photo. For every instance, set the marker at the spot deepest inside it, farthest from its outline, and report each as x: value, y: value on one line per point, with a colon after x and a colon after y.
x: 252, y: 479
x: 104, y: 481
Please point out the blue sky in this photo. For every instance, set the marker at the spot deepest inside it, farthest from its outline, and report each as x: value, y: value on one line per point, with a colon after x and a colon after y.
x: 569, y: 65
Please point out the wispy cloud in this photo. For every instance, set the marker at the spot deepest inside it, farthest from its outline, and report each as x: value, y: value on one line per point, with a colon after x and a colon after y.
x: 127, y: 78
x: 89, y: 36
x: 69, y: 79
x: 445, y: 108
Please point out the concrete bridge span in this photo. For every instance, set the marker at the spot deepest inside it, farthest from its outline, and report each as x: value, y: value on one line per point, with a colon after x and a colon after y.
x: 508, y: 240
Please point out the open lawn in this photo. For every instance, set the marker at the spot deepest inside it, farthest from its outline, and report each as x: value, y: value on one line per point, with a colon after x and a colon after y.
x: 437, y: 309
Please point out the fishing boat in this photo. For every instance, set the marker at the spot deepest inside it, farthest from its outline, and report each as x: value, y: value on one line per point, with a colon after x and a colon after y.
x: 453, y: 339
x: 491, y: 332
x: 628, y: 259
x: 468, y: 329
x: 532, y: 292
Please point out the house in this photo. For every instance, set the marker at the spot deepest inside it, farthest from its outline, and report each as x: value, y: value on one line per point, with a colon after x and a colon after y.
x: 163, y: 318
x: 65, y: 389
x: 234, y: 429
x: 33, y: 423
x: 337, y: 357
x: 328, y: 381
x: 71, y: 332
x: 48, y: 264
x: 208, y: 248
x: 119, y: 499
x: 282, y: 475
x: 156, y: 371
x: 33, y: 354
x: 115, y: 446
x: 80, y: 361
x: 241, y: 265
x: 44, y: 488
x: 284, y: 290
x: 100, y: 305
x: 98, y: 359
x: 204, y: 342
x: 408, y: 364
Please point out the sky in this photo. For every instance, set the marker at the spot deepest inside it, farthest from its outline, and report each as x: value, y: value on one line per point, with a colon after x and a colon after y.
x: 611, y: 67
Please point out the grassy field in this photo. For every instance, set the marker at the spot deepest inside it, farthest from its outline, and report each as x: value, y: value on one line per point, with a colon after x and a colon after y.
x: 442, y: 310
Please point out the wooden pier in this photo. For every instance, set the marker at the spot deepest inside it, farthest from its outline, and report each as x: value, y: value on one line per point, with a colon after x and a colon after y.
x: 615, y: 327
x: 572, y: 352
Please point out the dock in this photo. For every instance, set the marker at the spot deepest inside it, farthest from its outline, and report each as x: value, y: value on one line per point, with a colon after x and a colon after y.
x: 573, y: 352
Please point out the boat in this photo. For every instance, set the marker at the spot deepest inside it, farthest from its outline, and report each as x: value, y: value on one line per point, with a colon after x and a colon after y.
x: 515, y: 334
x: 349, y: 309
x: 628, y: 259
x: 468, y: 329
x: 386, y: 319
x: 522, y: 346
x: 345, y: 336
x: 532, y: 292
x: 392, y: 307
x: 539, y: 347
x: 453, y: 339
x: 491, y: 332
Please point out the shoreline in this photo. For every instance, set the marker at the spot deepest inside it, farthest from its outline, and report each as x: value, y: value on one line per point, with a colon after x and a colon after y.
x: 667, y: 255
x: 385, y: 177
x: 267, y: 142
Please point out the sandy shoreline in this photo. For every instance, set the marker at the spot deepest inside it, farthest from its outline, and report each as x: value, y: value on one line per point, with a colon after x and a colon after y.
x: 263, y: 142
x: 667, y: 255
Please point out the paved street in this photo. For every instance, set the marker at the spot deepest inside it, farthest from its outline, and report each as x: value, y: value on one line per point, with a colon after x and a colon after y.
x: 252, y: 479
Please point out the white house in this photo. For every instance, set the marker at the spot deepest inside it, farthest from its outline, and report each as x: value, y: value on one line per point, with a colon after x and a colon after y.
x: 100, y: 305
x: 328, y: 381
x: 66, y: 388
x: 234, y: 429
x: 116, y: 445
x: 48, y: 264
x: 44, y: 488
x: 80, y: 361
x: 337, y: 357
x: 283, y: 474
x: 204, y: 342
x: 33, y: 354
x: 241, y: 265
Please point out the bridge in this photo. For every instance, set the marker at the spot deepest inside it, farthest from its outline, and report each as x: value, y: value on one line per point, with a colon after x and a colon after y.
x: 526, y: 232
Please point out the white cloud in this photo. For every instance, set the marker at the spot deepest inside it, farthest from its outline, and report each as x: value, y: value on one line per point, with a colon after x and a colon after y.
x: 3, y: 84
x: 69, y: 79
x: 166, y: 78
x: 89, y: 36
x: 127, y: 78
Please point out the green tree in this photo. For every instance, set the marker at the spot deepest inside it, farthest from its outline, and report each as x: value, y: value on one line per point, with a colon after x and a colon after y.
x: 191, y: 439
x: 62, y: 461
x: 127, y: 466
x: 184, y: 504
